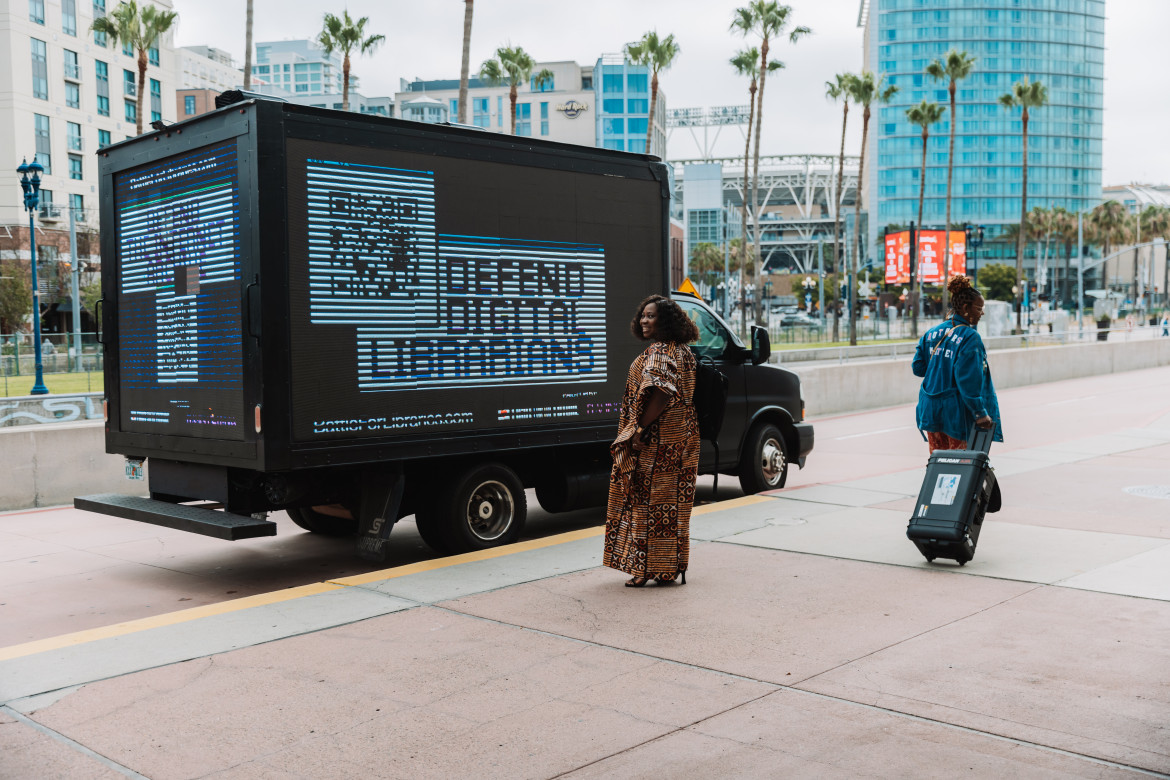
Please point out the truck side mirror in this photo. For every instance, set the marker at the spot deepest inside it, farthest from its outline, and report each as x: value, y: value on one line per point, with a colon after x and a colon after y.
x: 761, y: 345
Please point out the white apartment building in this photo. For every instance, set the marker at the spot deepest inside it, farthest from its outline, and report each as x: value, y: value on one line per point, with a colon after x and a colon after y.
x: 300, y: 67
x: 63, y: 95
x: 205, y: 67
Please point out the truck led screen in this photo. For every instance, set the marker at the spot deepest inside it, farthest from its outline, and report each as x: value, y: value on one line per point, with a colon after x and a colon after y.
x: 431, y: 293
x: 179, y: 295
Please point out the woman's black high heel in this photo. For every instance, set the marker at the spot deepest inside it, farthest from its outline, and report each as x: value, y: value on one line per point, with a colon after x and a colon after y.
x: 681, y: 577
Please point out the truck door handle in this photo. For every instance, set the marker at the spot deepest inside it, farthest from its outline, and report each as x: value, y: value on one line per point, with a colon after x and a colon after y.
x: 254, y: 332
x: 98, y: 307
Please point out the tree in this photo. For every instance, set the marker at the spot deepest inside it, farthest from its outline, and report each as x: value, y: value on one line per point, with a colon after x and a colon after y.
x: 345, y: 35
x: 953, y: 68
x: 997, y: 280
x: 464, y: 69
x: 15, y: 294
x: 768, y: 19
x: 1064, y: 227
x: 512, y: 66
x: 924, y: 115
x: 248, y: 47
x: 141, y: 30
x: 866, y: 89
x: 706, y: 258
x: 747, y: 63
x: 1026, y: 96
x: 657, y: 54
x: 90, y: 294
x: 1040, y: 227
x: 839, y: 89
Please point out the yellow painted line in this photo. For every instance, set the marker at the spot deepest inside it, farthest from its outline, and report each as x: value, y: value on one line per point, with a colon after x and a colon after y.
x: 471, y: 557
x: 275, y: 597
x: 167, y: 619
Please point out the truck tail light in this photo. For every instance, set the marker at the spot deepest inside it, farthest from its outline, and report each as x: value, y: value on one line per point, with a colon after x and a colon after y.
x: 106, y: 409
x: 802, y: 410
x: 257, y: 418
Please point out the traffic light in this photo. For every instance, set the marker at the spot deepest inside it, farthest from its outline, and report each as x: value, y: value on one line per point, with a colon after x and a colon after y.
x: 979, y: 236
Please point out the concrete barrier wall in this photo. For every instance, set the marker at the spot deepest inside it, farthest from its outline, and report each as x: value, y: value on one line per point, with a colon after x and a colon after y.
x: 40, y: 409
x: 47, y: 465
x: 851, y: 387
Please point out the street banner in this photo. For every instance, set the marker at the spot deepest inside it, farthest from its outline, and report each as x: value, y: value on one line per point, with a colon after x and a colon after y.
x: 930, y: 256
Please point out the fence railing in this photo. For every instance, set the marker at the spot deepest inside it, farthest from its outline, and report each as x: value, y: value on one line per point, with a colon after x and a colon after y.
x: 18, y: 355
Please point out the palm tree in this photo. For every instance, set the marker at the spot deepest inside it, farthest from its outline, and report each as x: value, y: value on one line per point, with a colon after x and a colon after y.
x: 465, y: 67
x: 953, y: 68
x: 768, y: 19
x: 248, y: 47
x: 139, y: 28
x: 924, y: 115
x: 345, y: 35
x: 1040, y: 226
x: 865, y: 90
x: 1025, y: 95
x: 1064, y: 226
x: 839, y: 89
x: 658, y: 55
x: 512, y: 66
x: 1108, y: 223
x: 747, y: 63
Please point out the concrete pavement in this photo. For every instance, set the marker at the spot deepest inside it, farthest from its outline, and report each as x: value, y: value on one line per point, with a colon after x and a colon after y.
x: 810, y: 640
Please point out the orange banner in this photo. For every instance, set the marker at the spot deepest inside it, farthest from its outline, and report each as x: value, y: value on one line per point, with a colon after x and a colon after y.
x: 930, y: 256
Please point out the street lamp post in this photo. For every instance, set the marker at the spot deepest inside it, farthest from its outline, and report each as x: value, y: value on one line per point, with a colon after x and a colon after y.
x: 32, y: 196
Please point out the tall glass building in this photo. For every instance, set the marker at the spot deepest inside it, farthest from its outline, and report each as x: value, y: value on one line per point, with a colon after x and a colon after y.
x: 1060, y: 43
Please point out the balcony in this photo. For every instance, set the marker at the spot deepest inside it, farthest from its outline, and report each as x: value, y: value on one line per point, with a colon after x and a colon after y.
x: 72, y: 72
x: 50, y: 213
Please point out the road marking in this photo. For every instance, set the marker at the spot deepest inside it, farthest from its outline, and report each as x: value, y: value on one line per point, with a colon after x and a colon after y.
x: 874, y: 433
x: 312, y: 589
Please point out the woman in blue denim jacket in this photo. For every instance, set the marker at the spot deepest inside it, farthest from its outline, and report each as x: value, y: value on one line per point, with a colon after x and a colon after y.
x: 956, y: 386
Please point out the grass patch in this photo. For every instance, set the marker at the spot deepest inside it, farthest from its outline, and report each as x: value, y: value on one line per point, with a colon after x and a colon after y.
x: 59, y: 384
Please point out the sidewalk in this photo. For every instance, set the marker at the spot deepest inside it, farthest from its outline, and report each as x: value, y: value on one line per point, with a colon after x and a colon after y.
x: 810, y: 640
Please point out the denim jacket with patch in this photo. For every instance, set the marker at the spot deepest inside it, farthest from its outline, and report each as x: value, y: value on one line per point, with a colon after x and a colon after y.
x: 956, y: 386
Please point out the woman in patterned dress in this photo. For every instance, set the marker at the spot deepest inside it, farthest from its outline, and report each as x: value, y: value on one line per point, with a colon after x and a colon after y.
x: 656, y: 453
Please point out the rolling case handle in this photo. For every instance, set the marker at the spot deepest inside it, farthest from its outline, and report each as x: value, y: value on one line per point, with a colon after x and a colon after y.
x: 980, y: 439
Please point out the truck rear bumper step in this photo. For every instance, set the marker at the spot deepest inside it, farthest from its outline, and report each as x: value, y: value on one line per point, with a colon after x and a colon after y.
x: 221, y: 525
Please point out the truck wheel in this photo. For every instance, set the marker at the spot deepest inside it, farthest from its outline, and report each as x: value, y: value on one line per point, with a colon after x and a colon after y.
x: 485, y: 507
x: 326, y: 525
x: 427, y: 522
x: 763, y: 465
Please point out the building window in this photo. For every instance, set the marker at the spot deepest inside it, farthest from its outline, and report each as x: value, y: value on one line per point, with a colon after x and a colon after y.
x: 77, y: 203
x: 611, y: 82
x: 43, y: 145
x: 614, y: 143
x: 636, y: 145
x: 613, y: 126
x: 73, y: 136
x: 453, y: 109
x: 189, y: 105
x: 36, y: 11
x: 544, y: 118
x: 152, y: 55
x: 637, y: 82
x: 40, y: 70
x: 102, y: 75
x: 46, y: 196
x: 131, y: 111
x: 524, y: 119
x: 103, y: 105
x: 128, y: 48
x: 302, y: 87
x: 638, y: 106
x: 99, y: 10
x: 104, y: 138
x: 499, y: 111
x: 72, y: 68
x: 636, y: 125
x: 586, y: 82
x: 72, y: 95
x: 75, y: 167
x: 69, y: 17
x: 155, y: 100
x: 480, y: 116
x: 129, y: 88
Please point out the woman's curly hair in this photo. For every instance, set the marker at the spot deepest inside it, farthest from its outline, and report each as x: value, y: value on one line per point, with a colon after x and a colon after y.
x: 963, y: 294
x: 673, y: 324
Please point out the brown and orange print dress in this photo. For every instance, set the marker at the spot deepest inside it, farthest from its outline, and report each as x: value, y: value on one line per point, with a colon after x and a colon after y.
x: 647, y: 523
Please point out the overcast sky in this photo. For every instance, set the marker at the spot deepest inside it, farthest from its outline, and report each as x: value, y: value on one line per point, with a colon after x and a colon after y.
x: 424, y: 39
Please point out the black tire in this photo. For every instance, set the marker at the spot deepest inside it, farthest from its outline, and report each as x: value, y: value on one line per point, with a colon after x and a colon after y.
x: 764, y: 463
x: 484, y: 507
x: 326, y: 525
x: 426, y: 521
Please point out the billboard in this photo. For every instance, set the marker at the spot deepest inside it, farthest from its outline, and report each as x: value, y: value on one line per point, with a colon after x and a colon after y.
x: 930, y: 256
x: 433, y: 295
x: 177, y: 225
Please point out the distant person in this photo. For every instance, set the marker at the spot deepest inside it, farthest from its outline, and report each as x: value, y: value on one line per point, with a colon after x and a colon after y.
x: 47, y: 347
x: 656, y: 453
x: 1165, y: 324
x: 956, y: 387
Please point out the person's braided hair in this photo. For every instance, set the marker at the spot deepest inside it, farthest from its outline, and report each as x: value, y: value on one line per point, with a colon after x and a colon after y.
x: 963, y: 294
x: 672, y: 324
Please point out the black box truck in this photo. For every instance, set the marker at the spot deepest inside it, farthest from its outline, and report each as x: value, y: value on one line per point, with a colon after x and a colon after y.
x: 353, y: 319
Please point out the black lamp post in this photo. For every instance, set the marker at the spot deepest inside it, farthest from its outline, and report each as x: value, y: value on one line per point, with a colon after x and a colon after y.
x: 32, y: 197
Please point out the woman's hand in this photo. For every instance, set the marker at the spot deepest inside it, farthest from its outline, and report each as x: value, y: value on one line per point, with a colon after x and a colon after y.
x: 985, y: 423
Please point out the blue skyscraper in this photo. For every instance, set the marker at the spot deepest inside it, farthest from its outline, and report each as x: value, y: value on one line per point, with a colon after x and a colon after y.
x: 1060, y: 43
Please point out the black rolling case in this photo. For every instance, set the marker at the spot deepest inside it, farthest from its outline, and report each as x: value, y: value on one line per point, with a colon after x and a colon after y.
x: 959, y: 489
